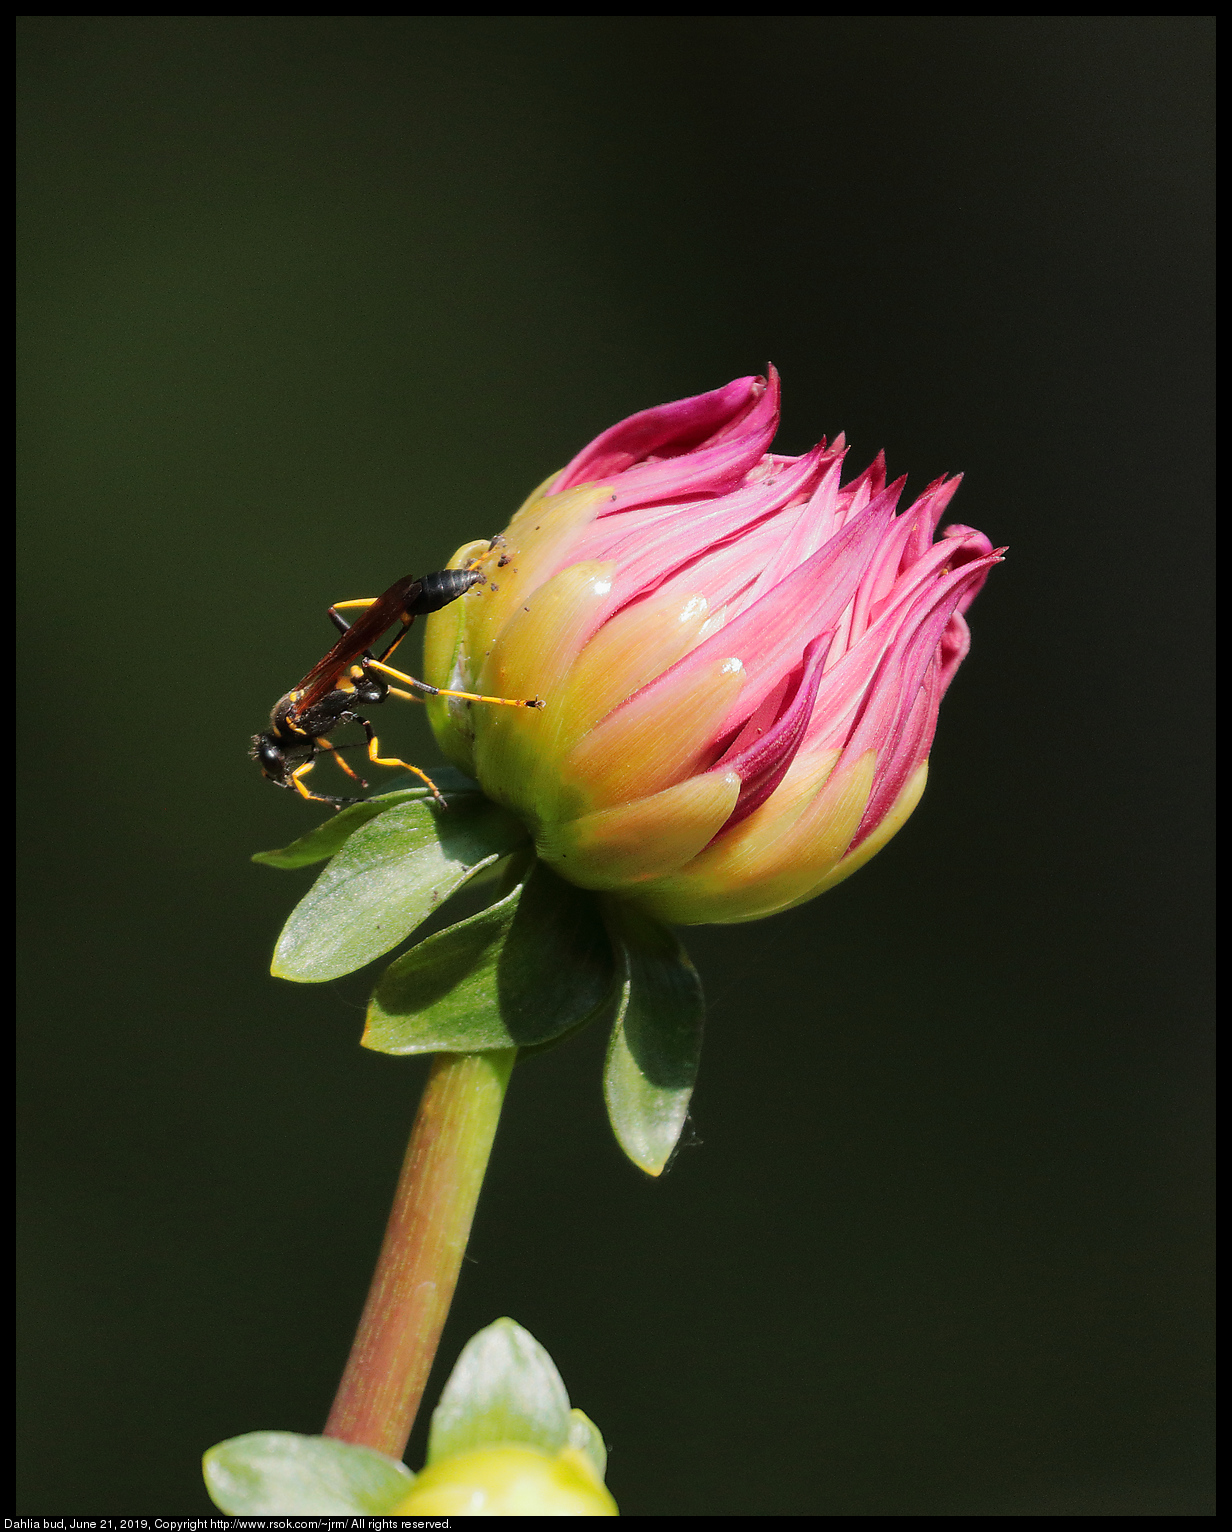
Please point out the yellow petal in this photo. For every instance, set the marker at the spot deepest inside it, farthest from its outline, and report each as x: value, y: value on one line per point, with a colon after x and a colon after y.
x: 900, y: 813
x: 536, y: 544
x: 628, y: 652
x: 506, y: 1480
x: 662, y: 736
x: 446, y: 663
x: 769, y: 865
x: 647, y: 839
x: 531, y: 658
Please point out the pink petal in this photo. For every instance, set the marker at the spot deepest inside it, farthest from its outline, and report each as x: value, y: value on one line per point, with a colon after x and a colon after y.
x: 928, y: 511
x: 815, y: 523
x: 863, y: 488
x: 952, y: 651
x: 647, y: 553
x: 974, y: 545
x: 703, y: 445
x: 772, y: 634
x: 892, y: 722
x: 714, y: 547
x: 845, y: 690
x: 764, y: 749
x: 894, y: 562
x: 725, y: 575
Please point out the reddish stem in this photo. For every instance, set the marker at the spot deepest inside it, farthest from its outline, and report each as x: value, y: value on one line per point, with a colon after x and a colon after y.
x: 425, y: 1240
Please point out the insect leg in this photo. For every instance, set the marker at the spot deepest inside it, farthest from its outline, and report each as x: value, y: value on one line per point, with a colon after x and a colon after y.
x: 398, y: 637
x: 335, y: 616
x: 439, y: 691
x: 337, y: 755
x: 493, y: 544
x: 335, y: 612
x: 308, y: 795
x: 374, y: 746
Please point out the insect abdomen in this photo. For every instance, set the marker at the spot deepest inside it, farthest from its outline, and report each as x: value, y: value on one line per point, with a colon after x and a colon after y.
x: 438, y: 590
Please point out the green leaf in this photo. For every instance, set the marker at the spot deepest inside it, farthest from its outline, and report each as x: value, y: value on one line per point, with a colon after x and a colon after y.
x: 656, y: 1041
x: 585, y: 1436
x: 387, y: 879
x: 321, y: 842
x: 273, y: 1473
x: 329, y: 837
x: 534, y: 965
x: 505, y: 1388
x: 448, y: 780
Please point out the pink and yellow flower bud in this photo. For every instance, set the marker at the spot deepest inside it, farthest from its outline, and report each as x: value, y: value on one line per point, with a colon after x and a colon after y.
x: 741, y: 658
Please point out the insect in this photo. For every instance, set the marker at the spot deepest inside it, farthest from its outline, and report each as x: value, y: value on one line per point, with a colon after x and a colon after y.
x: 350, y: 676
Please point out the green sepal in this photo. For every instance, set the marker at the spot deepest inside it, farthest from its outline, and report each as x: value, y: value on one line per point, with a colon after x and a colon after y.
x: 391, y: 874
x: 327, y: 838
x: 656, y: 1040
x: 529, y: 968
x: 504, y: 1388
x: 585, y: 1436
x: 275, y: 1473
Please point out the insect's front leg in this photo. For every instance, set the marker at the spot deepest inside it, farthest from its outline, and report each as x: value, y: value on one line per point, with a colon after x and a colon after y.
x: 440, y: 691
x: 308, y: 795
x: 374, y: 746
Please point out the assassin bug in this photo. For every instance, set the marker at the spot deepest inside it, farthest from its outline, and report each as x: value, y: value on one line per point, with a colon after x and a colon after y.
x: 350, y: 676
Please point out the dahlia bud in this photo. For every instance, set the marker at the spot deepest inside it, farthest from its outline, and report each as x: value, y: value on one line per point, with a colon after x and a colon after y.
x: 742, y: 660
x: 504, y: 1442
x: 507, y: 1481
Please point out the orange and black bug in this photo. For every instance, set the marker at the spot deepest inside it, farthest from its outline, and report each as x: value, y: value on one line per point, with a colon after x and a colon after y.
x: 350, y: 676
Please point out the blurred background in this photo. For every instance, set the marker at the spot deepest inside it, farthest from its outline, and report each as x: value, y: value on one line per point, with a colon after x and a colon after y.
x: 308, y: 301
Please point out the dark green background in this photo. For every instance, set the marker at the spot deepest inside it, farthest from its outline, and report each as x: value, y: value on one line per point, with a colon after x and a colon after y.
x: 307, y: 302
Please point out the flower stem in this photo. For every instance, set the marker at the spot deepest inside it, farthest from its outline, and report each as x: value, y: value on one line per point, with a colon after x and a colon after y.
x: 425, y: 1239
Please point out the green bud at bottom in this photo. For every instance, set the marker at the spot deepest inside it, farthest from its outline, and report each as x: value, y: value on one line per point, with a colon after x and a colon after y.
x: 508, y: 1481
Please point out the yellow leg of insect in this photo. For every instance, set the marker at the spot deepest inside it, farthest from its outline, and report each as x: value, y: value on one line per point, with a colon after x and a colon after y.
x: 535, y: 702
x: 396, y: 691
x: 406, y: 628
x: 337, y: 755
x: 439, y: 691
x: 374, y: 745
x: 342, y: 606
x: 301, y: 788
x: 494, y: 543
